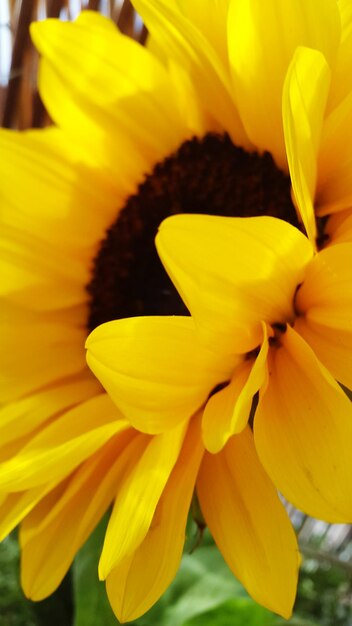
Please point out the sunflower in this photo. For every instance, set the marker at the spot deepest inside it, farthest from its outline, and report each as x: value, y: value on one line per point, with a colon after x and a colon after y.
x: 236, y: 108
x: 262, y: 305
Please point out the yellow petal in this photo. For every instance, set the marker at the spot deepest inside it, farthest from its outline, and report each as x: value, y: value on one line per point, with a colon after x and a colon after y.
x: 138, y: 497
x: 303, y: 432
x: 28, y: 279
x: 155, y: 369
x: 341, y: 83
x: 15, y: 506
x: 101, y: 145
x: 325, y: 295
x: 37, y: 349
x: 190, y: 35
x: 95, y: 80
x: 303, y: 104
x: 212, y: 23
x: 334, y: 191
x: 69, y: 206
x: 10, y: 449
x: 138, y: 582
x: 186, y: 97
x: 339, y: 227
x: 24, y: 416
x: 263, y: 37
x: 55, y: 530
x: 56, y: 450
x: 228, y: 410
x: 332, y: 347
x: 234, y: 274
x: 249, y: 523
x: 325, y: 302
x: 335, y: 183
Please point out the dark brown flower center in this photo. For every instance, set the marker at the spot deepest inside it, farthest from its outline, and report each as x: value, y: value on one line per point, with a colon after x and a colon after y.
x: 209, y: 175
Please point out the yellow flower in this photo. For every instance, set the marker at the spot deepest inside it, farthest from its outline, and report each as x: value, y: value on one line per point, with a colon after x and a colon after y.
x: 263, y: 307
x: 232, y: 102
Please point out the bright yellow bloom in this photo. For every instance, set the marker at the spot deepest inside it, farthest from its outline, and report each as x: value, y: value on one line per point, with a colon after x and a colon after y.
x: 221, y: 84
x: 261, y: 304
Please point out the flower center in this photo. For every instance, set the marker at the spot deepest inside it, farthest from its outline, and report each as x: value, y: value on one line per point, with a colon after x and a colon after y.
x: 210, y: 176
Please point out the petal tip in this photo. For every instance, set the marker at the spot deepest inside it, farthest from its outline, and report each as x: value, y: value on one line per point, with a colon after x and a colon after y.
x: 102, y: 568
x: 38, y: 29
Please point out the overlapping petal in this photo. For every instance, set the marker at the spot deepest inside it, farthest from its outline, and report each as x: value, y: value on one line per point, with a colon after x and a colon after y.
x: 28, y: 364
x: 15, y: 506
x: 138, y: 496
x: 155, y: 369
x: 140, y: 579
x: 182, y: 34
x: 233, y: 274
x: 303, y: 432
x: 70, y: 199
x: 249, y: 523
x: 59, y: 448
x: 92, y: 51
x: 24, y: 416
x: 76, y: 506
x: 262, y: 40
x: 33, y: 276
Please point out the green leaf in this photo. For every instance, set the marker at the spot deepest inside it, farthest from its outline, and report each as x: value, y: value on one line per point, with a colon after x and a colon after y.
x: 15, y: 610
x: 91, y: 604
x: 235, y: 612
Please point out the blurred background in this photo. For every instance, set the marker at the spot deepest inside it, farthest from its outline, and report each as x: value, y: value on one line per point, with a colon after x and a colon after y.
x: 204, y: 593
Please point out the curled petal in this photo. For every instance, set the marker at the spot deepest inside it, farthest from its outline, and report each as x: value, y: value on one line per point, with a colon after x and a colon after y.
x: 303, y: 104
x: 155, y: 369
x: 234, y: 274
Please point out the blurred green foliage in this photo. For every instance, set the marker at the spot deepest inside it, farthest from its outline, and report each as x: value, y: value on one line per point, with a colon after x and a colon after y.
x: 204, y: 593
x: 14, y: 609
x: 325, y: 593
